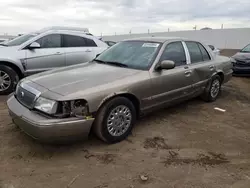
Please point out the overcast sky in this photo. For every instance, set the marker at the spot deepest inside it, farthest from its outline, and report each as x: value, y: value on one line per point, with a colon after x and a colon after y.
x: 121, y: 16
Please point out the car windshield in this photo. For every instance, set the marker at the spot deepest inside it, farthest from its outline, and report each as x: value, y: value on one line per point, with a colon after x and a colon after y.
x: 131, y: 54
x: 246, y: 49
x: 20, y: 40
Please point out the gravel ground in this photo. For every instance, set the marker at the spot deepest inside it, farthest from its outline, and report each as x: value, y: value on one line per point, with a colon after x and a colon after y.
x: 190, y: 145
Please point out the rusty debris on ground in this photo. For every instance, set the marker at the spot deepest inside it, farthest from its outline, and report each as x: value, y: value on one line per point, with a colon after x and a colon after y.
x: 210, y: 159
x: 156, y: 143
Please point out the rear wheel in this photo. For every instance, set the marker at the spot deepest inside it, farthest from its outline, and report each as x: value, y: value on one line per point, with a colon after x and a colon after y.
x: 213, y: 89
x: 8, y: 80
x: 115, y: 120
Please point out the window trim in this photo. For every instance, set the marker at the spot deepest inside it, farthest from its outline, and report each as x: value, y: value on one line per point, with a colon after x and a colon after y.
x: 200, y: 52
x: 164, y: 47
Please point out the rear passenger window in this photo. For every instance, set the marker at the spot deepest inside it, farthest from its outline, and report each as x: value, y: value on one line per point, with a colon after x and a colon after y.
x: 73, y: 41
x: 195, y: 52
x: 174, y: 52
x: 204, y: 52
x: 90, y: 43
x: 77, y: 41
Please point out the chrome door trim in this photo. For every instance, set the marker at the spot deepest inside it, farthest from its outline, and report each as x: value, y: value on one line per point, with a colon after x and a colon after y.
x: 188, y: 58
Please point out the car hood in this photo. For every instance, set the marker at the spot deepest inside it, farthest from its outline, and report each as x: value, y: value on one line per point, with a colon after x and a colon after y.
x: 65, y: 81
x: 242, y: 56
x: 7, y: 49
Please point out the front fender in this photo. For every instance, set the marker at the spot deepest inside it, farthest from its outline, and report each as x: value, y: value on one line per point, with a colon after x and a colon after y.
x: 112, y: 95
x: 217, y: 73
x: 16, y: 63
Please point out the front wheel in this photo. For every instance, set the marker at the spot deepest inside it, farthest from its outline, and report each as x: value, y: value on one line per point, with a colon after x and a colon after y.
x: 8, y: 80
x: 115, y: 120
x: 213, y: 90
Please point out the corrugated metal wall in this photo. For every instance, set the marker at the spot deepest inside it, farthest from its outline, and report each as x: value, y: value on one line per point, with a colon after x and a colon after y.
x: 221, y: 38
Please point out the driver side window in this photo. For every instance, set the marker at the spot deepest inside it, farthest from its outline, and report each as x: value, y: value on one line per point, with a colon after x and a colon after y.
x: 174, y: 52
x: 50, y: 41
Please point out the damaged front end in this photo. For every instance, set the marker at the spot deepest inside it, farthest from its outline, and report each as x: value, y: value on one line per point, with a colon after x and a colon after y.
x: 75, y: 108
x: 65, y: 109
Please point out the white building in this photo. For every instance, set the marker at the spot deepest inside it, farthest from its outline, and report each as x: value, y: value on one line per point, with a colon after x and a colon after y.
x: 221, y: 38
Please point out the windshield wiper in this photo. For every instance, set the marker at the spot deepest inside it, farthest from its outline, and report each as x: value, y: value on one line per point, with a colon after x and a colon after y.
x: 100, y: 61
x: 111, y: 63
x: 3, y: 44
x: 116, y: 63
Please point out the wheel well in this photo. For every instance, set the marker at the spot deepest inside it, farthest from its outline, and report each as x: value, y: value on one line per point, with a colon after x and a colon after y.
x: 132, y: 98
x: 221, y: 76
x: 14, y: 67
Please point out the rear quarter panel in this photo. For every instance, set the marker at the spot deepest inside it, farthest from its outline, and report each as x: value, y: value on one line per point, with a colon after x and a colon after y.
x: 224, y: 65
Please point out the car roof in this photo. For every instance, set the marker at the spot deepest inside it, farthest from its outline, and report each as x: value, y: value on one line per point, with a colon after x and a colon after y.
x: 155, y: 39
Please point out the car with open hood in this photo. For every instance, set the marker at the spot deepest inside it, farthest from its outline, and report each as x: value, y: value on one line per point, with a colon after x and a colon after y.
x: 108, y: 94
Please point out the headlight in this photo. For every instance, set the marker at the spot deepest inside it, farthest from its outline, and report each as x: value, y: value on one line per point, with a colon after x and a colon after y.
x: 46, y: 105
x: 232, y: 60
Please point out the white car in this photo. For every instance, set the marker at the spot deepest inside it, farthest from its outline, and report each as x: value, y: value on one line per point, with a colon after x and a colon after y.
x: 44, y: 50
x: 214, y: 49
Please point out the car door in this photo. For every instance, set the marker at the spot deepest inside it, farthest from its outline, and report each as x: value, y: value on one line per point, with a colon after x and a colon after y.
x: 50, y: 55
x: 202, y: 65
x: 78, y: 49
x: 174, y: 84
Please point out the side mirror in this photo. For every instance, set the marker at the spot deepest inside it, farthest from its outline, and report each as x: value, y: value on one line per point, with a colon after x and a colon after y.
x: 34, y: 45
x: 167, y: 64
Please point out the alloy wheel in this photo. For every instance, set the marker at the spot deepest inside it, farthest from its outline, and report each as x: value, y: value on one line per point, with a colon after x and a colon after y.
x: 215, y: 88
x: 119, y: 120
x: 5, y: 81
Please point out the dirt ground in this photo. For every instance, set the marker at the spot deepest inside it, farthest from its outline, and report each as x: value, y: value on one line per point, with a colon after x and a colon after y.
x: 190, y: 145
x: 229, y: 52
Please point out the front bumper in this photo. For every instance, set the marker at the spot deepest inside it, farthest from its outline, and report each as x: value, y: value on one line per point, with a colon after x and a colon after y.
x: 241, y: 70
x: 45, y: 129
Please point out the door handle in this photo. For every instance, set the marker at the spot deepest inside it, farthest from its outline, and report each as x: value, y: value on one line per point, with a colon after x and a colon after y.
x: 88, y: 50
x: 188, y: 73
x: 211, y: 67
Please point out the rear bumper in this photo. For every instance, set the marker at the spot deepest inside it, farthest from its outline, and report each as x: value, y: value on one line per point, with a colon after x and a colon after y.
x: 45, y: 129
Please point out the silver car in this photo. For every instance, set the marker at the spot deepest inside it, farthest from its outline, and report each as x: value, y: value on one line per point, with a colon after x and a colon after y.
x: 44, y: 50
x: 108, y: 94
x: 214, y: 49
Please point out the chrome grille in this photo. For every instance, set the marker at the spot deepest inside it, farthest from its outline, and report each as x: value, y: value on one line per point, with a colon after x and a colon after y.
x: 25, y: 97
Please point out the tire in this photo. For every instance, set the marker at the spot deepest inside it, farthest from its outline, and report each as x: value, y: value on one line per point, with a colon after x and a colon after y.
x: 213, y: 89
x: 104, y: 123
x: 12, y: 78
